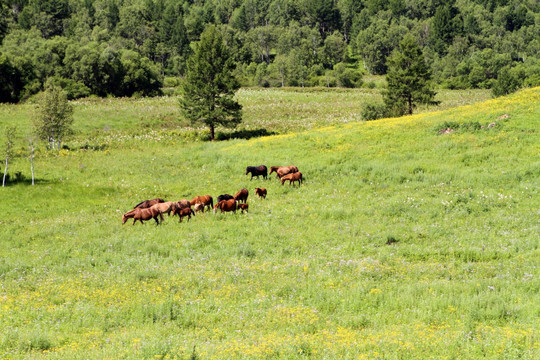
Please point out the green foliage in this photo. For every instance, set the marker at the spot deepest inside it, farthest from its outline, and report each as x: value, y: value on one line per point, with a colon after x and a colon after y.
x: 72, y: 89
x: 10, y: 81
x: 466, y: 43
x: 447, y: 24
x: 409, y: 79
x: 505, y: 84
x: 209, y: 86
x: 55, y: 117
x: 374, y: 111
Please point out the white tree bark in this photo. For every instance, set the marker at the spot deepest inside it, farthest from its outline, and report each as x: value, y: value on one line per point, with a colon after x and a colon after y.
x: 5, y: 172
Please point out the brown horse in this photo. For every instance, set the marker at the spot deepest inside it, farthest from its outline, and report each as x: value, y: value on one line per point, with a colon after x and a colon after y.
x: 242, y: 195
x: 141, y: 214
x: 165, y: 208
x: 292, y: 178
x: 205, y: 200
x: 274, y: 169
x: 226, y: 205
x: 257, y: 171
x: 185, y: 212
x: 260, y: 192
x: 148, y: 203
x: 286, y: 170
x: 243, y: 207
x: 179, y: 205
x: 199, y: 207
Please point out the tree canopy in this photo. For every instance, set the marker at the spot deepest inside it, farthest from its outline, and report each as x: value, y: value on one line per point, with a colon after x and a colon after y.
x: 94, y: 46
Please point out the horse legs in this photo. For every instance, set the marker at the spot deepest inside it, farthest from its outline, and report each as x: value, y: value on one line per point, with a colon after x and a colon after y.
x: 156, y: 218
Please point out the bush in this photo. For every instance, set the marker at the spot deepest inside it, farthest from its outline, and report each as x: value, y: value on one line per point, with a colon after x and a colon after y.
x: 170, y: 81
x: 374, y: 112
x: 347, y: 77
x: 505, y: 84
x: 72, y: 88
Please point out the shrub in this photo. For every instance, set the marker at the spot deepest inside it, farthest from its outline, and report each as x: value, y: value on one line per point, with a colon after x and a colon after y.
x: 505, y: 84
x: 374, y: 112
x: 72, y: 88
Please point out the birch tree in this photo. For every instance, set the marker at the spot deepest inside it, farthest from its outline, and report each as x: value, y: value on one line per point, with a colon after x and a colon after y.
x: 10, y: 136
x: 55, y: 117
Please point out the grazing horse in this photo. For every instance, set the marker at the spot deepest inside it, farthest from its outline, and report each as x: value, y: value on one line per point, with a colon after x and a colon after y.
x: 242, y: 195
x: 224, y: 197
x: 185, y: 212
x: 141, y: 214
x: 179, y: 205
x: 148, y: 203
x: 199, y: 207
x: 260, y: 192
x: 205, y: 200
x: 226, y: 205
x: 243, y: 207
x: 292, y: 178
x: 257, y: 171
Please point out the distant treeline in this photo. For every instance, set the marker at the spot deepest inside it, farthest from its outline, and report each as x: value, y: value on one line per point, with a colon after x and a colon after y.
x: 134, y: 47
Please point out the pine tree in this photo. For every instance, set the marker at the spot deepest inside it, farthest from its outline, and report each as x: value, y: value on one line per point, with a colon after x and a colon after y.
x: 209, y: 86
x: 408, y: 78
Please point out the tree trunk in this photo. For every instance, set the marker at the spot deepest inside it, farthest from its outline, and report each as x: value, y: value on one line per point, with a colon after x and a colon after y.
x: 32, y: 160
x: 5, y: 172
x: 410, y: 105
x: 212, y: 132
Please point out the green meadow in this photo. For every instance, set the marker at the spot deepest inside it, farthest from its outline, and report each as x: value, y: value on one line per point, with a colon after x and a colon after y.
x: 410, y: 238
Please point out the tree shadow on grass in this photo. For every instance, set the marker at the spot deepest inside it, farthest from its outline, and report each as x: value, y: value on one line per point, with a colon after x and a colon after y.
x: 19, y: 178
x: 244, y: 134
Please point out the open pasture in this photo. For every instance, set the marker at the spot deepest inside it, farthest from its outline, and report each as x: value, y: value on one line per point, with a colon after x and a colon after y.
x: 401, y: 243
x: 265, y: 111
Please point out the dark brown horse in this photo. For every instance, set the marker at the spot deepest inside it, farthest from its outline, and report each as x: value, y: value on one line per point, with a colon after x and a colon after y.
x: 257, y: 171
x: 224, y: 197
x: 260, y: 192
x: 226, y: 205
x: 242, y: 195
x: 179, y: 205
x: 148, y: 203
x: 205, y: 200
x: 142, y: 214
x: 185, y: 212
x: 292, y: 178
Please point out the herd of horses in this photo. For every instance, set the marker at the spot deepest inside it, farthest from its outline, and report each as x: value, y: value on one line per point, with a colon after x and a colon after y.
x: 155, y: 208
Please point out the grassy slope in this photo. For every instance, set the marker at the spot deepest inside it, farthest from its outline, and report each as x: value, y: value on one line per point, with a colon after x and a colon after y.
x: 401, y: 241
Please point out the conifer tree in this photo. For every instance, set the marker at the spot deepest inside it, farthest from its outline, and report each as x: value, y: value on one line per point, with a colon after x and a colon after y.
x: 408, y: 78
x: 209, y: 86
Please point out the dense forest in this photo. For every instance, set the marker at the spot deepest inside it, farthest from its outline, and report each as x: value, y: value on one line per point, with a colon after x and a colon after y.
x: 135, y: 47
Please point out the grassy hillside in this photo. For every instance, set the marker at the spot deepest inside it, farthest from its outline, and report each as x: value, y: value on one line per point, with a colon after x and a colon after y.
x: 414, y: 237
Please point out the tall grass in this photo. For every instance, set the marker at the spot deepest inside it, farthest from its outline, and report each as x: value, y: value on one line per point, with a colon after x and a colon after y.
x: 401, y: 243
